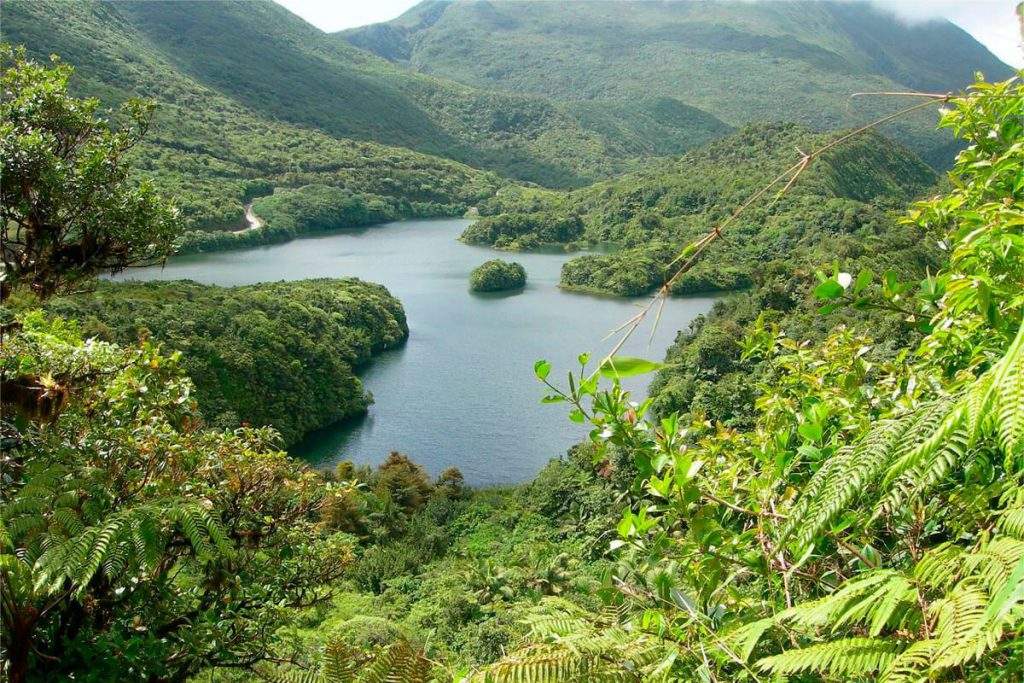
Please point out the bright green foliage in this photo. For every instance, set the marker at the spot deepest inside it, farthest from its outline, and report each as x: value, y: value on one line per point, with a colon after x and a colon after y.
x: 867, y: 524
x: 68, y: 207
x: 398, y: 662
x: 497, y: 276
x: 569, y: 646
x: 235, y: 341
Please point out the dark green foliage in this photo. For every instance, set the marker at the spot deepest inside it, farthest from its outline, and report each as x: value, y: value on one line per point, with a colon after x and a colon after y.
x: 524, y: 230
x: 836, y: 209
x: 738, y: 61
x: 281, y: 354
x: 320, y: 207
x: 287, y: 214
x: 497, y: 276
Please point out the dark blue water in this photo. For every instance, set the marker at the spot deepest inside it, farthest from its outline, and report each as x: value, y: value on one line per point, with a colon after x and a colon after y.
x: 461, y: 392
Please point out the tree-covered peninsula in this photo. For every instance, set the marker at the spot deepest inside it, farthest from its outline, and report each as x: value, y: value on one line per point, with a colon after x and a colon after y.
x: 234, y: 341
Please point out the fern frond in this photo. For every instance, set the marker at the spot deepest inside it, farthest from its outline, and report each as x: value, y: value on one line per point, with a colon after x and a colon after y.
x: 744, y: 639
x: 873, y: 598
x: 921, y: 470
x: 912, y: 664
x: 1011, y: 522
x: 847, y: 657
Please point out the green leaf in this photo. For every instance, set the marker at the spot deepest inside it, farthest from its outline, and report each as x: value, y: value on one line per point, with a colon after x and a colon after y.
x: 626, y: 366
x: 553, y: 398
x: 863, y: 280
x: 577, y: 416
x: 810, y: 431
x: 542, y: 369
x: 829, y: 289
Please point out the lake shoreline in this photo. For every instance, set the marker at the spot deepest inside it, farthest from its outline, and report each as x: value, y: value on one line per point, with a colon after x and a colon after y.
x: 460, y: 391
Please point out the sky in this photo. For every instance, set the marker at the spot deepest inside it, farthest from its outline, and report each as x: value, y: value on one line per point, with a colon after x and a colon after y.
x: 992, y: 22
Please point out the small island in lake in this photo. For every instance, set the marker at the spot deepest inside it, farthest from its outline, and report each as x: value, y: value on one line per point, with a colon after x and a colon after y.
x: 497, y: 276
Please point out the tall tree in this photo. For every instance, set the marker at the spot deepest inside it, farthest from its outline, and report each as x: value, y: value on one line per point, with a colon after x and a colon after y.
x: 69, y: 205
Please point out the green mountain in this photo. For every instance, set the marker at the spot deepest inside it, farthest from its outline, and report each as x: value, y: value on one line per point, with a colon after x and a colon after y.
x: 740, y: 61
x: 652, y: 213
x: 209, y: 150
x: 274, y: 62
x: 276, y: 66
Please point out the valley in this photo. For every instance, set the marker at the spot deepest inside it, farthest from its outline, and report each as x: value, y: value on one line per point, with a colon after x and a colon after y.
x: 495, y: 343
x: 458, y: 390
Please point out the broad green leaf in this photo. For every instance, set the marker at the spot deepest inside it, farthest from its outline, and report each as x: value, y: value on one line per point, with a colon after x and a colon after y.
x: 810, y: 431
x: 542, y: 369
x: 863, y: 280
x: 626, y: 366
x: 829, y: 289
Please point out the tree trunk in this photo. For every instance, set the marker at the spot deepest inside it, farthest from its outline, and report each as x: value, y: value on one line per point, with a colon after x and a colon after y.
x: 18, y: 641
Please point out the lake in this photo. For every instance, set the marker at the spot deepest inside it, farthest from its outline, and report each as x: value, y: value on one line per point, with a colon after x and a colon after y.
x: 461, y: 392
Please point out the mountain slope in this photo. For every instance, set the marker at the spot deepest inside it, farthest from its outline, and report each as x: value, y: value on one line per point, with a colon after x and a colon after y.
x: 838, y: 204
x: 211, y: 152
x: 740, y: 61
x: 274, y: 63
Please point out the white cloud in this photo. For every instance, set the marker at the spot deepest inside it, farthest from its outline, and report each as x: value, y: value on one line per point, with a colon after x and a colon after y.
x: 991, y: 22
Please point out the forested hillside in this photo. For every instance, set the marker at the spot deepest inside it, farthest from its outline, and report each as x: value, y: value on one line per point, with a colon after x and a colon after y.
x: 258, y: 61
x: 210, y: 151
x: 825, y: 485
x: 740, y: 61
x: 860, y: 519
x: 839, y: 205
x: 275, y: 63
x: 282, y: 355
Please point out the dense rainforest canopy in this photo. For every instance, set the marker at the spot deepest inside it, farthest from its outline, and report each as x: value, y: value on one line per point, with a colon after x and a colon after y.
x: 825, y: 483
x: 282, y: 355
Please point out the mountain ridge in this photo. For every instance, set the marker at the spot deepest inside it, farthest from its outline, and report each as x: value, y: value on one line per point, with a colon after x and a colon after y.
x: 740, y: 61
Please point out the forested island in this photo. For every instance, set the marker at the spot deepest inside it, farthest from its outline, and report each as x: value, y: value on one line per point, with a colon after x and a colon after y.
x: 497, y: 276
x: 823, y: 481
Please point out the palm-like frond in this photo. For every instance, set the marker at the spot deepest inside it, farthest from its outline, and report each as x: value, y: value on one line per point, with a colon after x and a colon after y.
x: 905, y: 457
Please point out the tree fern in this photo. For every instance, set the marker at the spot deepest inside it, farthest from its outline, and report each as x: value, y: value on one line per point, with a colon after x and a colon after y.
x: 399, y: 662
x: 567, y: 646
x: 841, y: 658
x: 970, y: 600
x: 908, y: 456
x: 135, y: 537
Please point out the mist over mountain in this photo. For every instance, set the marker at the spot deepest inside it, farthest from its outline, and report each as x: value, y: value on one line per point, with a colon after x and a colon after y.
x: 739, y: 61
